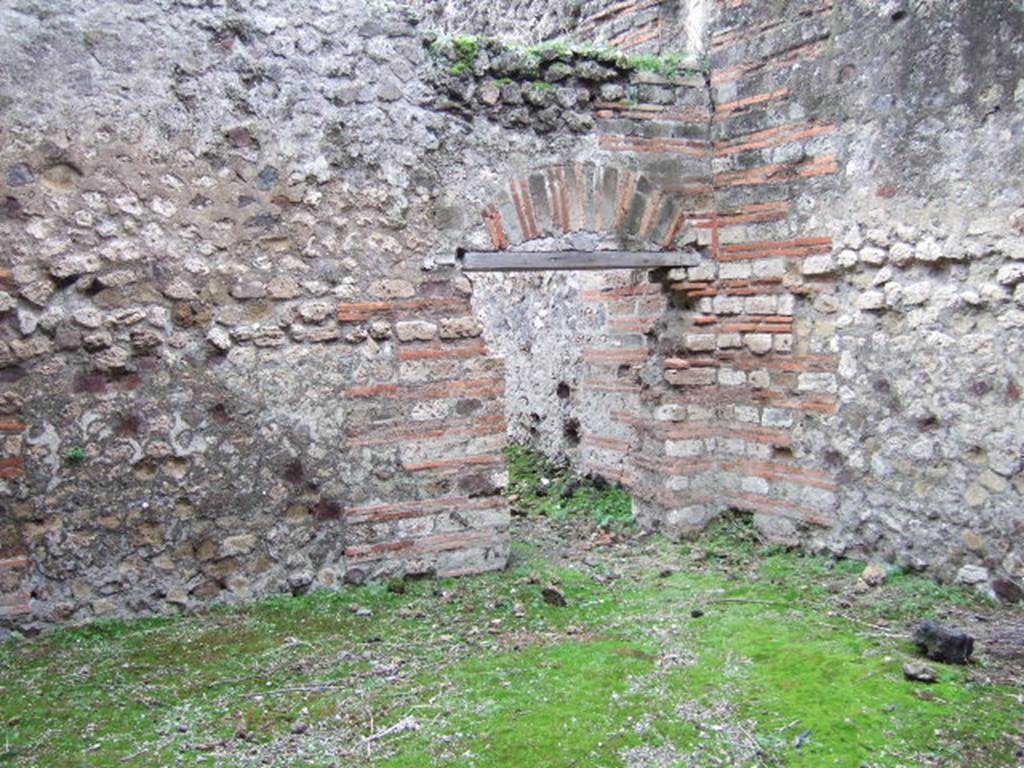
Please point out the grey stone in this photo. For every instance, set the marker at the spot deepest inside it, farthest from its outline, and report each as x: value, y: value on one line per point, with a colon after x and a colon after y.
x: 20, y: 175
x: 944, y: 644
x: 919, y: 673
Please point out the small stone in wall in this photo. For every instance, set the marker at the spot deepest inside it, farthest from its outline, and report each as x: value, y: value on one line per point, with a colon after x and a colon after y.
x: 460, y: 328
x: 489, y: 93
x: 180, y: 290
x: 128, y: 316
x: 177, y: 596
x: 972, y: 575
x: 993, y: 482
x: 579, y: 121
x: 27, y: 322
x: 19, y: 175
x: 916, y: 294
x: 219, y: 338
x: 163, y: 207
x: 380, y: 330
x: 320, y: 334
x: 873, y: 256
x: 37, y: 292
x: 283, y: 287
x: 972, y: 299
x: 734, y: 270
x: 1011, y: 274
x: 826, y: 303
x: 67, y: 338
x: 974, y: 542
x: 415, y: 330
x: 758, y: 343
x: 691, y: 377
x: 315, y: 311
x: 268, y: 336
x: 821, y: 264
x: 68, y: 266
x: 112, y: 359
x: 976, y: 496
x: 928, y: 250
x: 393, y: 289
x: 248, y: 289
x: 97, y: 340
x: 25, y: 349
x: 901, y: 254
x: 591, y: 70
x: 238, y: 545
x: 612, y: 92
x: 117, y: 279
x: 846, y: 259
x: 144, y: 340
x: 700, y: 342
x: 870, y: 301
x: 728, y: 305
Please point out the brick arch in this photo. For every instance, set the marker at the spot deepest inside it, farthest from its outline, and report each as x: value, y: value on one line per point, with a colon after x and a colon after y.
x: 588, y: 197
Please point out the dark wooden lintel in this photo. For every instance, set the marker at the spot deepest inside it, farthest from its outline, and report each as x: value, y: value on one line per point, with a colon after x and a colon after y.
x: 527, y: 261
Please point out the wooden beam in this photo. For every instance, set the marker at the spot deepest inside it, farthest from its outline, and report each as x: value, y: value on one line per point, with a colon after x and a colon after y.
x: 526, y: 261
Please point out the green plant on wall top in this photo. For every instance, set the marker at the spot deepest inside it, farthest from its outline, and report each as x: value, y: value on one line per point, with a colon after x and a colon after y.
x: 667, y: 65
x: 462, y: 53
x: 466, y: 50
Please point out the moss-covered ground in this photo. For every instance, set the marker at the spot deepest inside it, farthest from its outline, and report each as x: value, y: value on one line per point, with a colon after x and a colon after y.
x: 722, y: 652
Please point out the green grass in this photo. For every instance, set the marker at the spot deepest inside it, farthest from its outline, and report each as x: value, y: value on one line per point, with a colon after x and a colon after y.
x: 493, y: 676
x: 540, y: 487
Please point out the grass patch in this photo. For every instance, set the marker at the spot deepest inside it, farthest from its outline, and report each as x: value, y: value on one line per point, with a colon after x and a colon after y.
x: 722, y: 651
x: 538, y: 486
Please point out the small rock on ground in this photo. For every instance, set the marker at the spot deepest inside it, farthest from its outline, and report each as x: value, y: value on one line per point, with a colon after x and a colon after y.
x: 554, y: 596
x: 944, y: 644
x: 874, y: 575
x: 919, y: 673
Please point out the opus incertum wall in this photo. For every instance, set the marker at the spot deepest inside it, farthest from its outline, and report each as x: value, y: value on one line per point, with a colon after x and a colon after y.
x: 238, y: 356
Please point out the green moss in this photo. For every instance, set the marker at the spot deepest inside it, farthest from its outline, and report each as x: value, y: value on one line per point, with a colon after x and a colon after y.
x: 462, y: 51
x: 75, y: 455
x: 554, y: 50
x: 466, y: 48
x: 667, y: 65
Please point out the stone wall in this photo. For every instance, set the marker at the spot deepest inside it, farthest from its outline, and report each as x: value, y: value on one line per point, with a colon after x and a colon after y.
x: 848, y: 369
x: 844, y: 364
x: 238, y: 356
x: 231, y: 364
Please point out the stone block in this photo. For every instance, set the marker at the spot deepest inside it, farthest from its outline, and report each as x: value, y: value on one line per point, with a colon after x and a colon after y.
x: 415, y: 330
